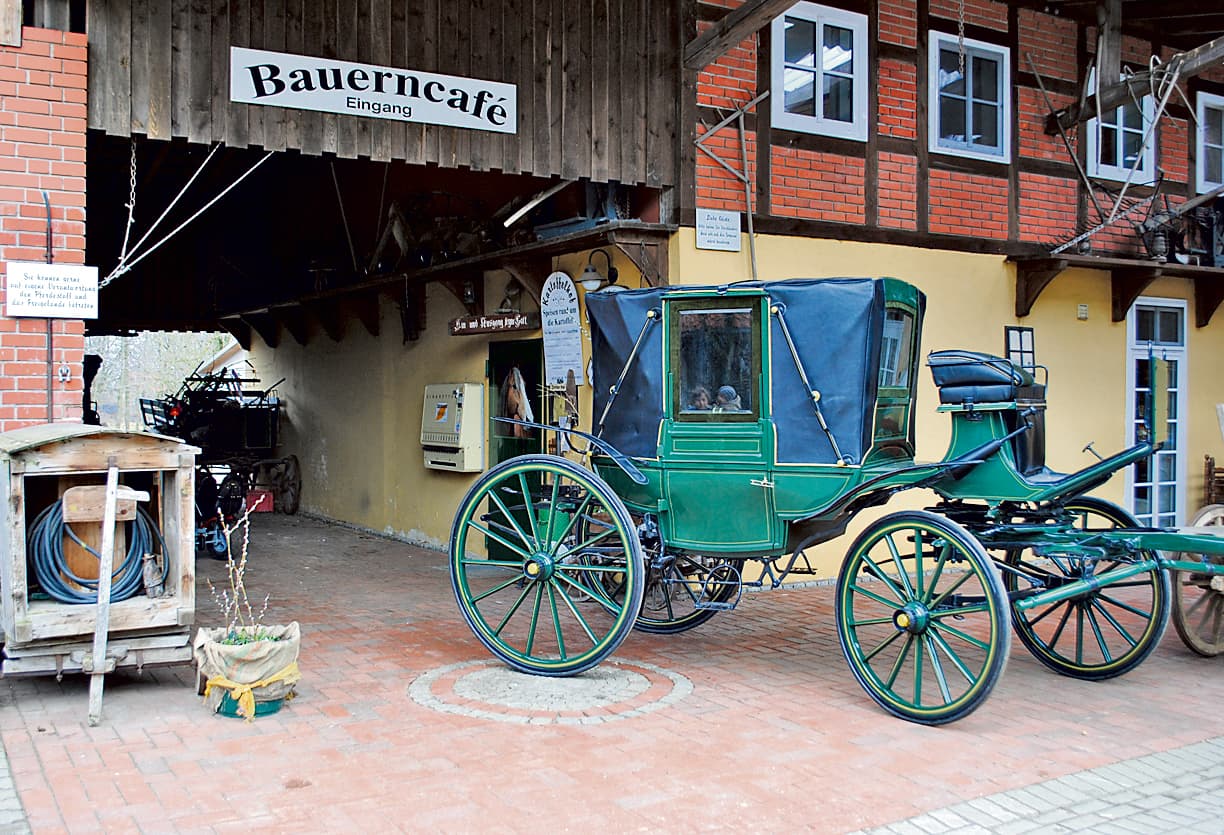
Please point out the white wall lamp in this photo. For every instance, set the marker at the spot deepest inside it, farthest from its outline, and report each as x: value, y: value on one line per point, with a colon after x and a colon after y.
x: 591, y: 279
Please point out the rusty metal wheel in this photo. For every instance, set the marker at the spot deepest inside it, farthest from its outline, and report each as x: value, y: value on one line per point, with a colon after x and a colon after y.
x: 1198, y: 599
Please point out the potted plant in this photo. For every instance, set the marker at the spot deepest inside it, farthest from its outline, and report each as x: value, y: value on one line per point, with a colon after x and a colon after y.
x: 245, y: 668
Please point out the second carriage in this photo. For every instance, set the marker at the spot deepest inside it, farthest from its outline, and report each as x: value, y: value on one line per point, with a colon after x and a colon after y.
x: 236, y: 425
x: 737, y: 426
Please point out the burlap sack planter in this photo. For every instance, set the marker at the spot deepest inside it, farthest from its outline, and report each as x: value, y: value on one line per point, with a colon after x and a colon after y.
x: 248, y: 679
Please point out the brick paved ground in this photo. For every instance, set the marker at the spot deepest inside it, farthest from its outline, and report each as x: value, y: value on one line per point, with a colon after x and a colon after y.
x: 750, y: 722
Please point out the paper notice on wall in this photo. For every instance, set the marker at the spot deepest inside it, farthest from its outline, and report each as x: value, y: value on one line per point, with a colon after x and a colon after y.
x: 562, y: 329
x: 718, y: 229
x: 51, y: 291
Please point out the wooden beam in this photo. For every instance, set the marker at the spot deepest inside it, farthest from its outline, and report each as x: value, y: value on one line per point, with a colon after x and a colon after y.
x: 531, y: 273
x: 365, y: 307
x: 1208, y: 293
x: 1127, y: 285
x: 650, y: 257
x: 1032, y: 276
x: 293, y: 318
x: 264, y: 324
x: 238, y: 329
x: 1191, y: 64
x: 329, y: 317
x: 732, y: 29
x: 10, y: 22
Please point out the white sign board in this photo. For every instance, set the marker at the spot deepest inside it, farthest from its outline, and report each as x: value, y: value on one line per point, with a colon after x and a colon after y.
x: 718, y: 229
x: 51, y: 291
x: 562, y: 329
x: 283, y: 80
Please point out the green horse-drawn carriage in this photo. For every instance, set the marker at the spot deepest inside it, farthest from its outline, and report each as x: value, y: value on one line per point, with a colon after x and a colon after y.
x: 737, y: 426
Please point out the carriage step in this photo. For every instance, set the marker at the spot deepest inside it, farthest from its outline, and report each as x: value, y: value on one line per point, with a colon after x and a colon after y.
x: 715, y: 606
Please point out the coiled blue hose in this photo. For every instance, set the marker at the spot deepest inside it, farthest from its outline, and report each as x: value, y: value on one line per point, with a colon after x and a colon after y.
x: 45, y: 551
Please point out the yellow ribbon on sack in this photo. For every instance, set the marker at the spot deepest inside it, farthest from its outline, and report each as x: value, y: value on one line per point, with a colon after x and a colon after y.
x: 244, y: 694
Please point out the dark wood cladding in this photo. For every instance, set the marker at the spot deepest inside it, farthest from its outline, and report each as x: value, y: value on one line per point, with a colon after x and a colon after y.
x: 598, y: 80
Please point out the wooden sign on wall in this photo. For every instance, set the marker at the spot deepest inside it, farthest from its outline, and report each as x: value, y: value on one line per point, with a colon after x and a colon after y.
x: 494, y: 323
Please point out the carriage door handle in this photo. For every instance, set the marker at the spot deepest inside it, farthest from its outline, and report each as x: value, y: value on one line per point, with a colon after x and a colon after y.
x: 761, y: 482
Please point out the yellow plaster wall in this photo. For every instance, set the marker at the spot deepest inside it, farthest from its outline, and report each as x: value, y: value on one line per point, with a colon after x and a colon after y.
x: 354, y: 407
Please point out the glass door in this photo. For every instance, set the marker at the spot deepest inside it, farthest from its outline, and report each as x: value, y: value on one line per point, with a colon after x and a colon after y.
x: 1156, y: 487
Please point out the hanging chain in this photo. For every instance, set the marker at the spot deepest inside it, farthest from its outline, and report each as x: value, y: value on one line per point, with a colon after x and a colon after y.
x: 960, y: 41
x: 127, y: 230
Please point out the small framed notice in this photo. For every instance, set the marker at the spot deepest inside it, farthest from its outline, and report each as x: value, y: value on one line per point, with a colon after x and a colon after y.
x: 718, y: 229
x: 51, y: 291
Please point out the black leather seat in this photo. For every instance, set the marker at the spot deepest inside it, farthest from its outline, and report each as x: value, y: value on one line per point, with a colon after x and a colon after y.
x: 974, y: 377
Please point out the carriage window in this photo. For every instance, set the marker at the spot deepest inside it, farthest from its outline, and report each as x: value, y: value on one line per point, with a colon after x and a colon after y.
x: 717, y: 376
x: 896, y: 350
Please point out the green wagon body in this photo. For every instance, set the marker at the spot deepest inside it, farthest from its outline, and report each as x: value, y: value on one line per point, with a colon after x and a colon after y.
x: 813, y: 422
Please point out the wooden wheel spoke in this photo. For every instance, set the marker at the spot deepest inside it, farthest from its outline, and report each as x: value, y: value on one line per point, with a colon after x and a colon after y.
x: 900, y: 660
x: 530, y: 501
x: 902, y: 574
x: 937, y: 572
x: 514, y: 608
x: 879, y: 574
x: 535, y: 619
x: 1118, y: 627
x: 964, y: 636
x: 892, y: 604
x: 513, y: 565
x: 1090, y: 616
x: 952, y: 656
x: 552, y: 605
x: 934, y: 604
x: 883, y: 645
x: 510, y: 518
x: 569, y: 604
x: 1102, y: 599
x: 941, y: 680
x: 569, y: 526
x: 490, y: 592
x: 496, y: 537
x: 596, y: 594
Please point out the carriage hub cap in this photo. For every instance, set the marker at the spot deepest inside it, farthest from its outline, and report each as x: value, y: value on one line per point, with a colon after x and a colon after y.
x: 538, y: 567
x: 912, y: 618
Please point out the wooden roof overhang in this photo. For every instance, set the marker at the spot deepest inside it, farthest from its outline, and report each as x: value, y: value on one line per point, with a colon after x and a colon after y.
x: 1128, y: 279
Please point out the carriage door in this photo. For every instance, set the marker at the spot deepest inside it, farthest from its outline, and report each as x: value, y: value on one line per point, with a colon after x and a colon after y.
x: 1156, y: 486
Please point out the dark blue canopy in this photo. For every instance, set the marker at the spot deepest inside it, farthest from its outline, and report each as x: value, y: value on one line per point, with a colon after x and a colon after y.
x: 836, y: 324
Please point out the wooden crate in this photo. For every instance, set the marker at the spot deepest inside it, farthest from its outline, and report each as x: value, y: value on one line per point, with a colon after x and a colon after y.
x: 37, y: 465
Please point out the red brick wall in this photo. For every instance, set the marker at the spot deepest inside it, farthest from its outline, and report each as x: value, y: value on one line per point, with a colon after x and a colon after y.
x: 898, y: 191
x: 1047, y: 208
x: 898, y: 23
x: 816, y: 186
x: 42, y: 148
x: 968, y: 204
x: 809, y: 180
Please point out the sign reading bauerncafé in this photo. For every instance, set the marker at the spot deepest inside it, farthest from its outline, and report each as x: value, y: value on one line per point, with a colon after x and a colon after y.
x: 283, y: 80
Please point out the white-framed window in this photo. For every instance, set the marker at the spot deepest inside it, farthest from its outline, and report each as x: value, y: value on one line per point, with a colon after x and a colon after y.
x: 1115, y: 142
x: 969, y: 110
x: 1210, y: 168
x: 818, y: 76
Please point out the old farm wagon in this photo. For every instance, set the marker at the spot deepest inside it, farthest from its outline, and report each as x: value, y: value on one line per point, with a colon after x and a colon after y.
x: 738, y: 425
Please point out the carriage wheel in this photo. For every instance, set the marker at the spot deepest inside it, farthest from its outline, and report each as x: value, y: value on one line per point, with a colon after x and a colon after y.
x: 543, y: 605
x: 1105, y: 632
x: 922, y: 617
x: 1198, y: 599
x: 289, y: 486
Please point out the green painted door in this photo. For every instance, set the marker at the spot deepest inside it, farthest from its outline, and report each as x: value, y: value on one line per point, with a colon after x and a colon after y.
x: 516, y: 372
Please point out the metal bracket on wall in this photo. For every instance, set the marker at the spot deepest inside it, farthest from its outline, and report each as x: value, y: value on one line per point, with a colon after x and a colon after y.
x: 742, y: 176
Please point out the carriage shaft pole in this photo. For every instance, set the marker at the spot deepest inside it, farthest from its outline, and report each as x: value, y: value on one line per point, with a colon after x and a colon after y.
x: 1086, y: 585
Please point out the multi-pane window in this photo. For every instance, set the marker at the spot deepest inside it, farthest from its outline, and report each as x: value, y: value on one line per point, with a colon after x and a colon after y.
x: 1115, y: 142
x: 1157, y: 485
x: 1210, y: 173
x: 819, y: 71
x: 969, y: 108
x: 1018, y: 342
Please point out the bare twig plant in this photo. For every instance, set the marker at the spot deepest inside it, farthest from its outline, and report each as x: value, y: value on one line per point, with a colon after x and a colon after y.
x: 243, y: 624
